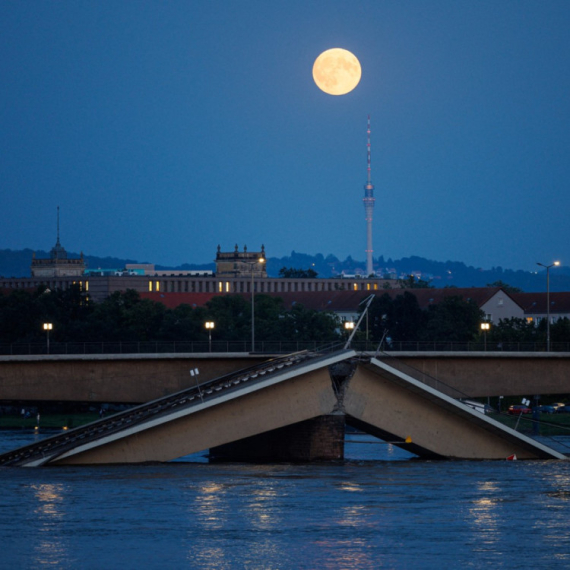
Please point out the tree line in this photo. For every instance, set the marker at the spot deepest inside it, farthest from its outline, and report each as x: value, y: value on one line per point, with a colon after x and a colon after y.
x: 125, y: 316
x: 453, y: 320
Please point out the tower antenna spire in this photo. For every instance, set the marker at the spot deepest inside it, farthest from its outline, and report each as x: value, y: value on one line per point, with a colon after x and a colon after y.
x: 57, y: 243
x: 368, y: 205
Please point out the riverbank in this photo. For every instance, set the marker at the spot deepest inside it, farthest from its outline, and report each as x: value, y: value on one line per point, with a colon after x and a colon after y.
x: 47, y: 421
x: 549, y: 424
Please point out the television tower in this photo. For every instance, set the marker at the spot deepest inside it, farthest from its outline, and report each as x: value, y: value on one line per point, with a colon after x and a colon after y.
x: 368, y: 208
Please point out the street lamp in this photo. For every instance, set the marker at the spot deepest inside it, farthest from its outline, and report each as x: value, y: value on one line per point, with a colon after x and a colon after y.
x: 348, y: 327
x: 48, y: 327
x: 209, y: 326
x: 252, y: 264
x: 485, y: 327
x: 547, y: 267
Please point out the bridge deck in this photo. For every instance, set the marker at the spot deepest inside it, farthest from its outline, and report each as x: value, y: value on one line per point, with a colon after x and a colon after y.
x: 144, y: 416
x: 283, y: 391
x: 439, y: 425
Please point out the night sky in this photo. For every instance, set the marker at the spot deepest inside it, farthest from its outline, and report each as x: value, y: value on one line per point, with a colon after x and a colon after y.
x: 163, y: 129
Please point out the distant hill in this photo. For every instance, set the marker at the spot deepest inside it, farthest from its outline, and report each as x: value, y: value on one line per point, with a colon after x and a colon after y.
x: 16, y: 263
x: 437, y: 273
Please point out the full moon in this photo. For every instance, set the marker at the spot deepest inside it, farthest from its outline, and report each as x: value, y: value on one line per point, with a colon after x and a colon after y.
x: 336, y: 71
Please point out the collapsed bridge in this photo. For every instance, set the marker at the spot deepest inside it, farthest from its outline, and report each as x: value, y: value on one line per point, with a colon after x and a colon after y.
x: 291, y: 408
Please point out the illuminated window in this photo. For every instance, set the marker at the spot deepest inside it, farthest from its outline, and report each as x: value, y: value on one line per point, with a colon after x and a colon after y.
x: 150, y: 285
x: 355, y: 286
x: 368, y: 286
x: 220, y: 287
x: 375, y: 286
x: 227, y: 286
x: 158, y: 286
x: 86, y: 285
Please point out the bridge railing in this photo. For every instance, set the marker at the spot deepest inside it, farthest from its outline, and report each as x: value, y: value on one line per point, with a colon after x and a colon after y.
x: 266, y: 347
x: 158, y: 347
x: 453, y: 346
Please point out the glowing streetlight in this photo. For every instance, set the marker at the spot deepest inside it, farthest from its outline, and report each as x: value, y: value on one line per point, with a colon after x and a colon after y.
x: 48, y: 327
x: 485, y: 327
x: 547, y: 267
x: 209, y: 326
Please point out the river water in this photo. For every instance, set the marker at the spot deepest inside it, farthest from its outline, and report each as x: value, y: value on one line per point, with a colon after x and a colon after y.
x: 378, y: 509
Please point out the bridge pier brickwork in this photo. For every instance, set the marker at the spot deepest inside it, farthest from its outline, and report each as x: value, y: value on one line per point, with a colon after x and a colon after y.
x: 317, y: 439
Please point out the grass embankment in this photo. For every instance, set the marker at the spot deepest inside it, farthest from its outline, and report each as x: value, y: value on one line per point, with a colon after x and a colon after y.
x: 47, y: 421
x: 549, y: 424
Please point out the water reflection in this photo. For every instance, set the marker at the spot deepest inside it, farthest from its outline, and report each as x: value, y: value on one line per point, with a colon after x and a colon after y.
x: 350, y: 530
x: 210, y: 507
x: 232, y: 513
x: 262, y: 510
x: 50, y: 548
x: 484, y: 514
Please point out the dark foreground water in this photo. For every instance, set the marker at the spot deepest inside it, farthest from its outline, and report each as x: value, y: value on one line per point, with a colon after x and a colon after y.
x: 378, y: 510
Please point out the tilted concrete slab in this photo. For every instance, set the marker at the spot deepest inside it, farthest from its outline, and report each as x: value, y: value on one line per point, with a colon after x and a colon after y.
x: 391, y: 404
x: 283, y: 397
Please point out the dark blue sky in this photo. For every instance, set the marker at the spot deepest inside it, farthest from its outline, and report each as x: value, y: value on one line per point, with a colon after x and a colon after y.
x: 163, y: 129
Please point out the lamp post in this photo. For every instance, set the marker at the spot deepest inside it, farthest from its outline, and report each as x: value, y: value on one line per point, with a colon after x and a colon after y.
x: 48, y: 327
x: 209, y: 326
x: 547, y: 267
x: 485, y: 327
x: 252, y: 264
x: 348, y: 327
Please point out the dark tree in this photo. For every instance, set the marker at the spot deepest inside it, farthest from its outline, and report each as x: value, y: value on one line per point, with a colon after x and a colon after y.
x: 505, y: 287
x: 408, y: 320
x: 304, y: 324
x: 412, y: 282
x: 512, y: 330
x: 453, y: 320
x: 232, y: 315
x: 290, y: 273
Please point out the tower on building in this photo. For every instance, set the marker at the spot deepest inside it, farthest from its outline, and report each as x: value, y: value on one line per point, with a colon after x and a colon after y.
x: 368, y: 208
x: 58, y: 264
x: 241, y: 263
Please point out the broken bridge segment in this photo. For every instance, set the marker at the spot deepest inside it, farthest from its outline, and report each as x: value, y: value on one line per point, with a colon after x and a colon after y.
x: 268, y: 396
x: 391, y: 404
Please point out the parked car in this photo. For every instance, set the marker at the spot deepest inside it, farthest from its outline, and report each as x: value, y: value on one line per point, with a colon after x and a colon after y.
x: 557, y: 405
x: 563, y: 409
x: 518, y: 409
x: 546, y: 409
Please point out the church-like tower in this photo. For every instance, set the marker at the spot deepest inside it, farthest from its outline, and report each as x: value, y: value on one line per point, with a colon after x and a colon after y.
x: 58, y: 264
x: 369, y: 208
